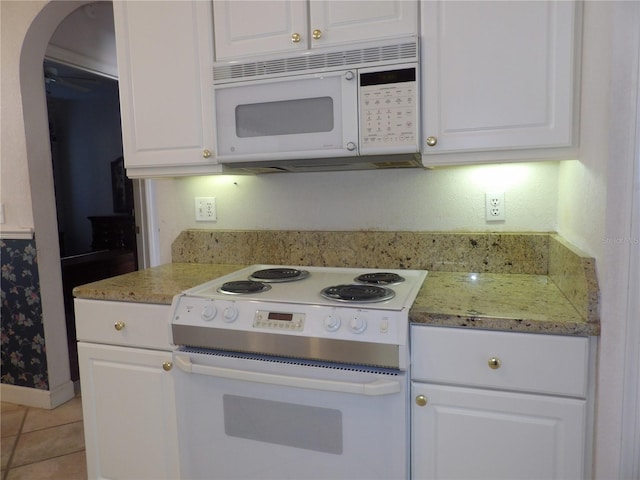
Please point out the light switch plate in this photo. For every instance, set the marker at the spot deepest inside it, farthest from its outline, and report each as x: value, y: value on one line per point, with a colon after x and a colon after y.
x: 205, y: 209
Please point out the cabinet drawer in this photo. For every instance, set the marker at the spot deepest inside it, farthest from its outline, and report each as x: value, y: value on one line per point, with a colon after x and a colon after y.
x: 123, y: 323
x: 511, y: 361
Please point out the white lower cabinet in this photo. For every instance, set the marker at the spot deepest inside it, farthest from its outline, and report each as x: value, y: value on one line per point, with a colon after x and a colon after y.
x: 128, y: 399
x: 534, y: 427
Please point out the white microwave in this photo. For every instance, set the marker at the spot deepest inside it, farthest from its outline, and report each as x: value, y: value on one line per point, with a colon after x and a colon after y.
x: 364, y: 114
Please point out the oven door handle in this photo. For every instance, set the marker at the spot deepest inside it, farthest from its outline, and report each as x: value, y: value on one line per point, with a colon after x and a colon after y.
x: 376, y: 388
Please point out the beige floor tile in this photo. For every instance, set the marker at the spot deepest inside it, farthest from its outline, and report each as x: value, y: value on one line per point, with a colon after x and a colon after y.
x: 6, y: 447
x: 67, y: 467
x: 11, y: 418
x: 68, y: 412
x: 6, y: 407
x: 48, y: 443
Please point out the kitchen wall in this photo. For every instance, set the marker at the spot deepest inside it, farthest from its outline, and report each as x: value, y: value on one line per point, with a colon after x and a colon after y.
x: 443, y: 199
x: 599, y: 207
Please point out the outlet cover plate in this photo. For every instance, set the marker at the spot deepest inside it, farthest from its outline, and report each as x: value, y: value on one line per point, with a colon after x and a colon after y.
x: 494, y: 207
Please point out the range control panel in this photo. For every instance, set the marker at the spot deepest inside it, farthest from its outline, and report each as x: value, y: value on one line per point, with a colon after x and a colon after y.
x: 359, y: 324
x: 388, y: 109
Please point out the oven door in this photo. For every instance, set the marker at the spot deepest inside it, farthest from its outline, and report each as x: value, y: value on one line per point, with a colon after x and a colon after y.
x: 251, y: 417
x: 307, y: 116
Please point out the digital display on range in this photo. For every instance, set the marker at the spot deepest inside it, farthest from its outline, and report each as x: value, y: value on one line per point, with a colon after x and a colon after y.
x: 279, y: 320
x: 287, y: 317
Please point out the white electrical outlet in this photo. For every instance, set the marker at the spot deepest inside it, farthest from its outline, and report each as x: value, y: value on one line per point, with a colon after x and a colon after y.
x: 205, y: 209
x: 494, y: 207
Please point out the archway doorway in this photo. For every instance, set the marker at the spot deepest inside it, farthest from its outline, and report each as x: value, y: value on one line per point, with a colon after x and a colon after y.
x: 38, y: 154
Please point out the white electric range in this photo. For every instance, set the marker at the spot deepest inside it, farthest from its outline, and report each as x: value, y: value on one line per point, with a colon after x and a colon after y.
x: 295, y: 372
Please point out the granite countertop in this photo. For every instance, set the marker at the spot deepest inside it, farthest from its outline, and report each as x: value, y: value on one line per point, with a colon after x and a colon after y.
x: 509, y: 302
x: 153, y: 285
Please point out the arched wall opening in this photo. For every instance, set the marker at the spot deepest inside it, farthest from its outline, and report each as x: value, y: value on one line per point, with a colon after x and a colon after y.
x: 40, y: 173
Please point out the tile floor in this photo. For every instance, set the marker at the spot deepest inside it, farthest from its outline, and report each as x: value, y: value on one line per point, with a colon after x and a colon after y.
x: 39, y: 444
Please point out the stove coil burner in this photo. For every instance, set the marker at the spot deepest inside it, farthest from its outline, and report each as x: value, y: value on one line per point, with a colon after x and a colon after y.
x: 241, y: 287
x: 274, y: 275
x: 380, y: 278
x: 358, y: 293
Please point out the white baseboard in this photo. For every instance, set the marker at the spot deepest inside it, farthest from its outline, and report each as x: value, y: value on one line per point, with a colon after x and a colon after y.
x: 33, y: 397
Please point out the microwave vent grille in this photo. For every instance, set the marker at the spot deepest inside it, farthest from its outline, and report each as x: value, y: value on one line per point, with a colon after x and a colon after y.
x: 308, y: 63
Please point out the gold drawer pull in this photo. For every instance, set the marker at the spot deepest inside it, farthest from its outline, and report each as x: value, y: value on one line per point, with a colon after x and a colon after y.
x: 421, y: 400
x: 118, y: 325
x: 316, y: 34
x: 494, y: 363
x: 295, y: 37
x: 167, y: 366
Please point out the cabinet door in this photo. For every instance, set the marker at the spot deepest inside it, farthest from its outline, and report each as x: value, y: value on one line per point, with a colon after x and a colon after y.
x: 165, y: 55
x: 251, y: 28
x: 255, y: 28
x: 497, y: 75
x: 129, y: 413
x: 469, y: 433
x: 348, y: 21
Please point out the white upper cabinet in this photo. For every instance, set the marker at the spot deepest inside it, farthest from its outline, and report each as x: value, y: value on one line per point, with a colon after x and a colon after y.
x: 348, y: 21
x: 165, y: 55
x: 497, y: 77
x: 258, y: 27
x: 255, y: 28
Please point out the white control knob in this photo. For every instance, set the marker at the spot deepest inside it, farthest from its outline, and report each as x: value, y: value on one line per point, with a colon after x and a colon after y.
x: 332, y: 323
x: 230, y: 314
x: 357, y: 324
x: 208, y: 312
x: 348, y: 75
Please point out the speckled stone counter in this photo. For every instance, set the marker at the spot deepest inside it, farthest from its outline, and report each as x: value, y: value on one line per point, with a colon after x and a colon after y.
x: 153, y: 285
x: 520, y: 303
x: 535, y: 283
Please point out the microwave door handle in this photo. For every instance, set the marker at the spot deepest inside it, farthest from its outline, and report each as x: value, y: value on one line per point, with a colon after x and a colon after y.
x: 374, y: 389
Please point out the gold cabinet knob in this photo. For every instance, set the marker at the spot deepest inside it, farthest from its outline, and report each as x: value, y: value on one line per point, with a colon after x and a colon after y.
x: 295, y: 37
x: 206, y: 153
x: 494, y: 363
x: 421, y: 400
x: 118, y: 325
x: 166, y: 366
x: 316, y: 34
x: 431, y: 141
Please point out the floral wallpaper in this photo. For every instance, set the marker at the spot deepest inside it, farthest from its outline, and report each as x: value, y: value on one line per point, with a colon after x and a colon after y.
x: 24, y: 361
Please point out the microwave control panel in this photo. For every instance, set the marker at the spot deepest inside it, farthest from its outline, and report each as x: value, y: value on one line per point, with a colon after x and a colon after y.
x: 388, y: 110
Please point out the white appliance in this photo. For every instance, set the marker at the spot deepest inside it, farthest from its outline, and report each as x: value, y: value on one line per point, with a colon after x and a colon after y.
x: 355, y: 108
x: 295, y: 373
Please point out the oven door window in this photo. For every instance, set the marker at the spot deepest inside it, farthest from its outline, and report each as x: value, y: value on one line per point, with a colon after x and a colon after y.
x: 315, y: 428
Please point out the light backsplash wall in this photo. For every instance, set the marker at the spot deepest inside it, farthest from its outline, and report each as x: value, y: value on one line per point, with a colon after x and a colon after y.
x: 439, y: 200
